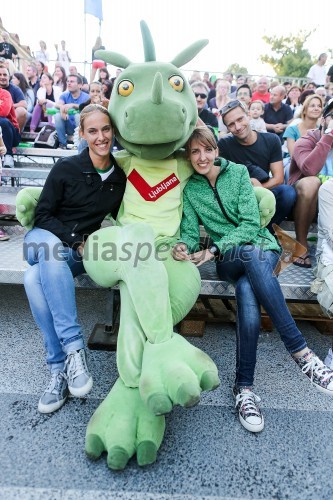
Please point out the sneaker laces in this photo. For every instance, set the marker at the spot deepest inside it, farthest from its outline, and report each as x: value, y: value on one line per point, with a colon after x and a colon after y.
x: 56, y: 382
x: 75, y: 365
x: 248, y: 401
x: 317, y: 369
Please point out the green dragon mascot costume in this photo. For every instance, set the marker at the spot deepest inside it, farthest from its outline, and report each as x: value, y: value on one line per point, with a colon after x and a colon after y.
x: 154, y: 112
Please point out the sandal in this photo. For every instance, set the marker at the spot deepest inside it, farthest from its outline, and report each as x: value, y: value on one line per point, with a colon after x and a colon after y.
x: 303, y: 261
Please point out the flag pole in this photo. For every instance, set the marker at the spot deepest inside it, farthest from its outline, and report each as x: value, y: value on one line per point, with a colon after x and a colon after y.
x: 85, y: 44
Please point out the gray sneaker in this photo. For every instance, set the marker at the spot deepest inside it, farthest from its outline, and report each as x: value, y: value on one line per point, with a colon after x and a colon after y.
x: 320, y: 375
x: 55, y: 395
x: 78, y: 377
x: 249, y: 412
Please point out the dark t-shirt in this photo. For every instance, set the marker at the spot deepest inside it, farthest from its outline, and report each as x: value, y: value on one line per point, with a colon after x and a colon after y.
x: 330, y: 73
x: 15, y: 92
x: 9, y: 50
x: 208, y: 118
x: 266, y: 150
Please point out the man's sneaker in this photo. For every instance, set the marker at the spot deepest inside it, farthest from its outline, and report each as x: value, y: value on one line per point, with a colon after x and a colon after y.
x: 320, y: 375
x: 249, y: 412
x: 8, y: 161
x: 55, y: 395
x: 3, y: 236
x: 329, y: 359
x: 78, y: 377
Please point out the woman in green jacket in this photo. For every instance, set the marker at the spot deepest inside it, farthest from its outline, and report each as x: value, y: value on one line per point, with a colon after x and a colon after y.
x: 220, y: 195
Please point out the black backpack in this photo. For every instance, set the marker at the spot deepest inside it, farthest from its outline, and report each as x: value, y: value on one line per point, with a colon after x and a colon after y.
x: 47, y: 138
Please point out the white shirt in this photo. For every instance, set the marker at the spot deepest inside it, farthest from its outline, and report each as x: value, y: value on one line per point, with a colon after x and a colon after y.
x: 317, y: 74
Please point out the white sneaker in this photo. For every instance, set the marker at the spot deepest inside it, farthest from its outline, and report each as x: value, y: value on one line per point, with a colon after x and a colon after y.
x: 319, y: 374
x: 8, y: 161
x: 329, y: 359
x: 78, y: 377
x: 249, y: 412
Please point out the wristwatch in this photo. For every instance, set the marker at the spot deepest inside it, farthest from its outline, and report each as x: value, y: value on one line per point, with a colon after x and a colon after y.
x: 329, y: 131
x: 214, y: 250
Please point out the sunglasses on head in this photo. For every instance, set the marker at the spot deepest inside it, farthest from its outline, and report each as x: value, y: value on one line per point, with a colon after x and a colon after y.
x: 202, y: 96
x: 231, y: 105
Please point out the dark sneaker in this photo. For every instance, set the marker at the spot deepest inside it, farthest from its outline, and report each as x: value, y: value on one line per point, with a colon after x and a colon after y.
x: 249, y: 412
x: 78, y: 377
x: 55, y: 395
x: 319, y: 374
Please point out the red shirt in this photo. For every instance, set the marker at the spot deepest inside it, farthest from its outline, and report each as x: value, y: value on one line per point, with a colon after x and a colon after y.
x: 261, y: 97
x: 7, y: 109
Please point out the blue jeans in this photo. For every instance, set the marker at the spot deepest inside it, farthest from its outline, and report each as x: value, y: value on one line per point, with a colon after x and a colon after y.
x: 251, y: 270
x: 285, y: 197
x: 11, y: 135
x: 64, y: 127
x: 49, y: 285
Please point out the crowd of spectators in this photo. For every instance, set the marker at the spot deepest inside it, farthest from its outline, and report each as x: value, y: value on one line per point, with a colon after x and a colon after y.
x: 272, y: 117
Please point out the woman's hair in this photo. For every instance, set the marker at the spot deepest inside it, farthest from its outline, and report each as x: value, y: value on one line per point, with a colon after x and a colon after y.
x: 95, y: 83
x: 224, y: 82
x: 23, y: 82
x: 203, y: 135
x: 42, y: 44
x: 50, y: 77
x: 63, y: 78
x: 108, y: 84
x: 92, y: 108
x: 105, y: 71
x: 307, y: 102
x: 304, y: 95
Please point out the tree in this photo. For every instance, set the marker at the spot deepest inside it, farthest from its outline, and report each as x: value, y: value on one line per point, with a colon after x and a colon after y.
x: 291, y: 59
x: 236, y: 69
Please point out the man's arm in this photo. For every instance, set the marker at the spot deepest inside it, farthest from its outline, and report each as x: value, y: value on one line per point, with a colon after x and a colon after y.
x: 277, y: 178
x: 21, y: 104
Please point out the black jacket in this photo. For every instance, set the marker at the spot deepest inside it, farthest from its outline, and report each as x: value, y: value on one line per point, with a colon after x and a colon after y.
x: 74, y: 200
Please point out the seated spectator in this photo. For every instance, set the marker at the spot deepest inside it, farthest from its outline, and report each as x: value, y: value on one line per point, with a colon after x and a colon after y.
x: 298, y: 110
x: 107, y: 89
x: 103, y: 74
x: 244, y: 94
x: 42, y: 55
x: 60, y: 78
x: 261, y: 93
x: 47, y: 95
x: 216, y: 104
x: 311, y: 165
x: 246, y: 255
x: 310, y: 86
x: 207, y: 80
x: 200, y: 90
x: 256, y: 111
x: 9, y: 126
x: 322, y: 92
x: 260, y: 153
x: 73, y: 71
x: 330, y: 89
x: 7, y: 49
x: 277, y: 115
x: 113, y: 79
x: 293, y: 96
x: 32, y: 75
x: 3, y: 235
x: 65, y: 124
x: 40, y: 68
x: 311, y: 112
x: 18, y: 79
x: 287, y: 86
x: 19, y: 102
x: 230, y: 78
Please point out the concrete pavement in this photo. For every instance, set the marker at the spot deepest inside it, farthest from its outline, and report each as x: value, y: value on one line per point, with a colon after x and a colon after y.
x: 205, y: 454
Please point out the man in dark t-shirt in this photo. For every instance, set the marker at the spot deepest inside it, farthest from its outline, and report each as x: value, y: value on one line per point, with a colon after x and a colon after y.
x: 262, y: 155
x: 277, y: 115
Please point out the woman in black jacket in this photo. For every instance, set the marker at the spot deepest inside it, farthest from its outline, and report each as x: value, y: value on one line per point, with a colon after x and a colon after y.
x: 79, y: 192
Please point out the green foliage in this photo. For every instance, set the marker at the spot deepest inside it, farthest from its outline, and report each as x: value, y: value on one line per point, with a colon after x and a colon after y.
x: 291, y: 58
x: 236, y: 69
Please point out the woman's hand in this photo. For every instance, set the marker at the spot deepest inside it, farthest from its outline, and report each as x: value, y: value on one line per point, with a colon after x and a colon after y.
x: 179, y: 252
x: 199, y: 258
x: 3, y: 150
x: 80, y: 249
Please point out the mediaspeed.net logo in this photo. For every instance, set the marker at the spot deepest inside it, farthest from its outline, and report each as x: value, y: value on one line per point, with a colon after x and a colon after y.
x: 291, y: 250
